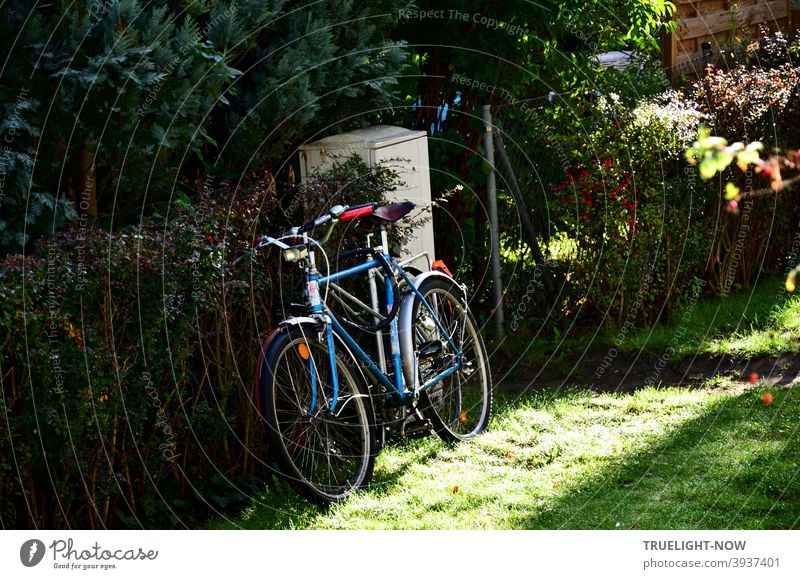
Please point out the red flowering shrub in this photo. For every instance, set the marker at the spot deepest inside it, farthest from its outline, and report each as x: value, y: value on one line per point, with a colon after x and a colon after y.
x: 637, y: 216
x: 599, y: 202
x: 753, y: 104
x: 758, y: 101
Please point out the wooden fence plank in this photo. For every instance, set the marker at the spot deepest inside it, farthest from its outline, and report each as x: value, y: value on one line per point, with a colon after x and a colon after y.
x: 669, y: 53
x: 715, y: 21
x: 721, y: 21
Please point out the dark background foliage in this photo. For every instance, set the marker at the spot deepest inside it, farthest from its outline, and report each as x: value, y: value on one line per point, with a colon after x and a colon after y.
x: 131, y: 399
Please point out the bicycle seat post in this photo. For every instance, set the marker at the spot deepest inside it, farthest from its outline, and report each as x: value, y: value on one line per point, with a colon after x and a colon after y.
x: 373, y: 291
x: 384, y: 239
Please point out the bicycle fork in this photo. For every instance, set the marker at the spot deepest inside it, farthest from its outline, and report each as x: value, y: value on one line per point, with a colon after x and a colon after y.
x: 312, y: 291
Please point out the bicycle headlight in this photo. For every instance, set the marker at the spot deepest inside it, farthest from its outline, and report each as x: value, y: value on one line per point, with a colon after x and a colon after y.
x: 293, y: 254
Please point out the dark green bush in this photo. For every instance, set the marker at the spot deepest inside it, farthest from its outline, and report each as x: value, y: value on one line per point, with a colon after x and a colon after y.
x: 125, y: 98
x: 128, y: 359
x: 129, y: 400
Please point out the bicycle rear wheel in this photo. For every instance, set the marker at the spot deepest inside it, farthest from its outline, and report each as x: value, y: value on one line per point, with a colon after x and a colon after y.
x: 324, y: 455
x: 459, y: 406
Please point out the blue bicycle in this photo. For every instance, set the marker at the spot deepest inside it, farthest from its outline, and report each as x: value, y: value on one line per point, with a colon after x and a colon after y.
x: 328, y: 404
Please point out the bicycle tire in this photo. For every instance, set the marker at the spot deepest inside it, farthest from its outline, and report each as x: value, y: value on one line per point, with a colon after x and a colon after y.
x: 459, y: 406
x: 325, y: 457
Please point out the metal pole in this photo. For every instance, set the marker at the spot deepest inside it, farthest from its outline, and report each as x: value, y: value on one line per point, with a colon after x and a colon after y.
x: 494, y: 230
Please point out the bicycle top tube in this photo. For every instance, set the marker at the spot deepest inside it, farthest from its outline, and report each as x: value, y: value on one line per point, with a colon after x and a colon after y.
x: 372, y: 264
x: 349, y: 272
x: 395, y: 386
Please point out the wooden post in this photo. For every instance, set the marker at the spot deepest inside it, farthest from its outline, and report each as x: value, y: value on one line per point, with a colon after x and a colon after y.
x: 524, y: 217
x: 793, y: 16
x: 669, y: 54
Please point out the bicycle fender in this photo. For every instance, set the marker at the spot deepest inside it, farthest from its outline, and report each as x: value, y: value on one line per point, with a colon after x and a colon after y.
x: 259, y: 365
x: 404, y: 325
x: 296, y: 321
x: 317, y: 324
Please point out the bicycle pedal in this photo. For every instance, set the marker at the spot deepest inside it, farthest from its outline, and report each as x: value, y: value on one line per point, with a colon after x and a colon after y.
x: 419, y: 430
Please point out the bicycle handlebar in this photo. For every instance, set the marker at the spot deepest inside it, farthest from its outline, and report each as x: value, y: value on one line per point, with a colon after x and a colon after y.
x: 335, y: 213
x: 324, y: 218
x: 294, y: 253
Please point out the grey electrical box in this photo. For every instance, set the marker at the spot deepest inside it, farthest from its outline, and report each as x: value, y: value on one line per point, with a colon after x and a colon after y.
x: 404, y: 150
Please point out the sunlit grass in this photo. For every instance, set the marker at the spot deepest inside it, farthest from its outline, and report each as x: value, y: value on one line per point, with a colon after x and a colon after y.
x: 659, y: 458
x: 781, y: 335
x: 762, y: 321
x: 562, y: 247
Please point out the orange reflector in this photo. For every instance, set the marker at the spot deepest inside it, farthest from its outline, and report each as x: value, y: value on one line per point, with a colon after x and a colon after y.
x: 302, y: 349
x: 462, y: 416
x: 439, y: 264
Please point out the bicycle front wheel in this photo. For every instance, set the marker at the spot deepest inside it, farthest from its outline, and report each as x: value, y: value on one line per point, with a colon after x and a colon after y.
x: 459, y: 405
x: 324, y: 454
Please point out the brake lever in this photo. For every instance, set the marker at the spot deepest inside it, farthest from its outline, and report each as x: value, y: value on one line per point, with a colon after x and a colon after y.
x: 255, y: 245
x: 322, y: 219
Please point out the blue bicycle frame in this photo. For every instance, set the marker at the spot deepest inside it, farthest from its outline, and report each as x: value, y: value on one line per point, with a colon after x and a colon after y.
x: 333, y: 325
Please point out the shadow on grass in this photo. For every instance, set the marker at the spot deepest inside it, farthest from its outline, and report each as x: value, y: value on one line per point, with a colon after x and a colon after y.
x: 280, y: 507
x: 735, y: 466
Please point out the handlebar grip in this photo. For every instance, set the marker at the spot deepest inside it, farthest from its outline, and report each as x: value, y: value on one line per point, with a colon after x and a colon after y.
x: 356, y: 212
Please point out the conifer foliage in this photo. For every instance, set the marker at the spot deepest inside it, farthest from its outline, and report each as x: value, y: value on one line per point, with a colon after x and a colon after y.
x: 107, y: 104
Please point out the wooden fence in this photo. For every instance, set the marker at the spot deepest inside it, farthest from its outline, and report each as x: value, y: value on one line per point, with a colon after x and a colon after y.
x: 719, y: 23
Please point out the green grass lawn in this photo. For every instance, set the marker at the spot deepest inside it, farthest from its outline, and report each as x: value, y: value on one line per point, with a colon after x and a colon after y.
x: 714, y: 457
x: 760, y: 321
